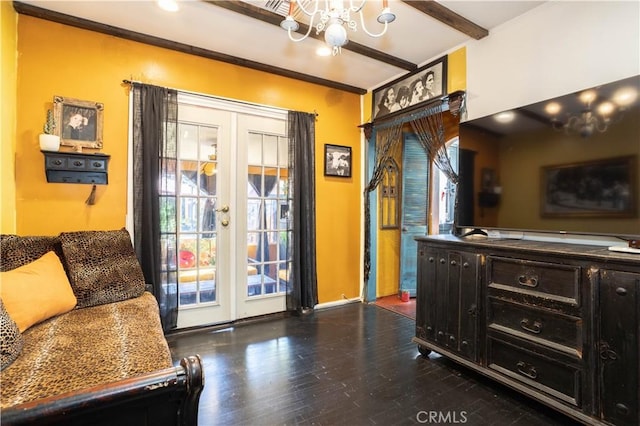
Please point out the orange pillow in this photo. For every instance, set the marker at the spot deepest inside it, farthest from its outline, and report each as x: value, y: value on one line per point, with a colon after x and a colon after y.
x: 36, y: 291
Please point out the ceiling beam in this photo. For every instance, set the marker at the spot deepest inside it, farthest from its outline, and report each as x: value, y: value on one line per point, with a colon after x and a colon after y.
x: 449, y: 17
x: 275, y: 19
x: 61, y: 18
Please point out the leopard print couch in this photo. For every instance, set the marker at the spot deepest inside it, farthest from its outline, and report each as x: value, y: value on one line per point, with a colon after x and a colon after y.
x: 81, y: 338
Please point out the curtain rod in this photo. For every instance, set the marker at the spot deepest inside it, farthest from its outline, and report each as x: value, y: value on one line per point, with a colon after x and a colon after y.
x: 315, y: 113
x: 453, y: 102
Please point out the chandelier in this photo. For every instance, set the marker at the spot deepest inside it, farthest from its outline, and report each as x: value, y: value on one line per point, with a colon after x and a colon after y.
x: 592, y: 118
x: 332, y: 19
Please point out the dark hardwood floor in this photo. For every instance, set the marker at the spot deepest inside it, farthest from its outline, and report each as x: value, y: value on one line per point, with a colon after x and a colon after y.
x: 350, y: 365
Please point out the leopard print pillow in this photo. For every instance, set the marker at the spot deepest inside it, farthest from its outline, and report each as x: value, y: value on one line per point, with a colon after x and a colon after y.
x: 102, y: 266
x: 10, y: 339
x: 16, y: 251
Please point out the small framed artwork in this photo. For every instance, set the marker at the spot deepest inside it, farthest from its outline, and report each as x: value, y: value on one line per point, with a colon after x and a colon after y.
x: 599, y: 188
x: 78, y: 123
x: 424, y: 84
x: 337, y: 160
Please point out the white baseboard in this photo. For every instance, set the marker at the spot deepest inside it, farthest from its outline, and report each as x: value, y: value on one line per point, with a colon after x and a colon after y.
x: 337, y: 303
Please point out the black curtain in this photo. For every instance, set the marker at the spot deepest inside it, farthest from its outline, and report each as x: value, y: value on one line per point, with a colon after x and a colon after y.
x: 428, y: 125
x: 262, y: 251
x: 302, y: 293
x: 155, y: 117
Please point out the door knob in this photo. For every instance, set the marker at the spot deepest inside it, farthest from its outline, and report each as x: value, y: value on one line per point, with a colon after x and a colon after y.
x: 224, y: 222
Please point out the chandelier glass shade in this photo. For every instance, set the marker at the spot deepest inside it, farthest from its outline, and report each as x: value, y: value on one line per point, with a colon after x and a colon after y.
x: 334, y: 17
x: 596, y: 114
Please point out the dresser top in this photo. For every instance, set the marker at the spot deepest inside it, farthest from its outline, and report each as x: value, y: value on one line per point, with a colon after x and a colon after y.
x: 601, y: 253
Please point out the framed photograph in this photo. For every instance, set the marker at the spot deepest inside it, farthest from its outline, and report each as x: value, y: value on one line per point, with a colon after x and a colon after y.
x: 78, y: 123
x: 600, y: 188
x: 425, y: 83
x: 337, y: 160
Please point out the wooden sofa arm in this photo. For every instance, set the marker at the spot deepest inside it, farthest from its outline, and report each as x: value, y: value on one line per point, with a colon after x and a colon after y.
x: 164, y: 397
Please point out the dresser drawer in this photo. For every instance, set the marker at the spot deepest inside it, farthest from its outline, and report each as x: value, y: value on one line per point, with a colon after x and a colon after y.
x: 76, y: 163
x: 542, y: 279
x: 96, y: 164
x: 56, y: 163
x: 560, y: 380
x: 557, y: 331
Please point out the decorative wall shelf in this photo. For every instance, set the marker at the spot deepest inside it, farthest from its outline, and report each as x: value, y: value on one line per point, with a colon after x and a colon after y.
x: 74, y: 167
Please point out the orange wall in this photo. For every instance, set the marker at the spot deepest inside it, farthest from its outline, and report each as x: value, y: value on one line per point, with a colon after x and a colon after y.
x: 55, y: 59
x: 8, y: 19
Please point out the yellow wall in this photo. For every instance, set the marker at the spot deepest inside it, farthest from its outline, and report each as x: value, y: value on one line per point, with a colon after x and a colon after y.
x: 8, y: 94
x: 60, y: 60
x: 388, y: 251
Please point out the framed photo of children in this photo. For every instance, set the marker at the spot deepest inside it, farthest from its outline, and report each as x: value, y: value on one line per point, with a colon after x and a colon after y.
x: 337, y: 160
x: 425, y: 83
x: 78, y: 123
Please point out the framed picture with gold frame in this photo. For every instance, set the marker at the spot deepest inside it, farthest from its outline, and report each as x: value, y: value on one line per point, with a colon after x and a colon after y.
x: 79, y: 123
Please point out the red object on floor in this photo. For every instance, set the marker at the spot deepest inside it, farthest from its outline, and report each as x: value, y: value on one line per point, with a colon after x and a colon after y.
x: 395, y: 304
x: 404, y: 296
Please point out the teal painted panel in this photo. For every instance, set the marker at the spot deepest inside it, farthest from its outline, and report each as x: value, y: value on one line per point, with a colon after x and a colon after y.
x: 415, y: 208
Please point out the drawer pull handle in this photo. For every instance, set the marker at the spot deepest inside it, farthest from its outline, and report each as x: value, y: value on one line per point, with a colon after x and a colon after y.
x: 431, y: 259
x: 606, y: 353
x: 621, y: 291
x: 97, y: 164
x: 622, y: 409
x: 529, y: 281
x: 454, y: 263
x: 443, y: 261
x: 527, y: 370
x: 77, y: 163
x: 536, y: 328
x: 57, y: 162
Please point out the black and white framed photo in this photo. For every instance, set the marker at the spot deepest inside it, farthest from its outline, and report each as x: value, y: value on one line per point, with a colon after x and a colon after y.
x: 598, y: 188
x: 425, y: 83
x: 79, y: 123
x: 337, y: 160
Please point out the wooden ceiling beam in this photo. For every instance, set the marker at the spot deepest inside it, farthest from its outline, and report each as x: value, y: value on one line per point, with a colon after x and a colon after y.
x: 448, y: 17
x: 275, y: 19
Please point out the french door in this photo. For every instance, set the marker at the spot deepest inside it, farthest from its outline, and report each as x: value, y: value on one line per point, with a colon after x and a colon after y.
x: 231, y: 212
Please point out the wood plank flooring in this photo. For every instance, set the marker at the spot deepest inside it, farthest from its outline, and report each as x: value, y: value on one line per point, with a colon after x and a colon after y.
x: 350, y: 365
x: 393, y: 303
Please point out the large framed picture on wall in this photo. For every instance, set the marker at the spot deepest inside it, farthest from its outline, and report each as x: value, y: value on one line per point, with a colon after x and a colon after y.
x: 425, y: 83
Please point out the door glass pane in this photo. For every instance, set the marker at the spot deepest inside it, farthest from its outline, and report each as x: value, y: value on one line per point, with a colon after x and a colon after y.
x: 271, y: 182
x: 188, y: 144
x: 196, y: 214
x: 283, y: 154
x: 270, y: 153
x: 254, y: 149
x: 208, y: 140
x: 267, y: 217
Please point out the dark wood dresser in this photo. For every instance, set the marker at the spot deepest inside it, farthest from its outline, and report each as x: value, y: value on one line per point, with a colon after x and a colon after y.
x: 555, y: 321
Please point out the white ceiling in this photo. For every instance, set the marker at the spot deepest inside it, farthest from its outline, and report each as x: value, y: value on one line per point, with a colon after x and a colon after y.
x: 414, y: 36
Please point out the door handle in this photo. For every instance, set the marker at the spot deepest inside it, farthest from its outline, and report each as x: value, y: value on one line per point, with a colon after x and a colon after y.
x: 224, y: 222
x: 224, y: 209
